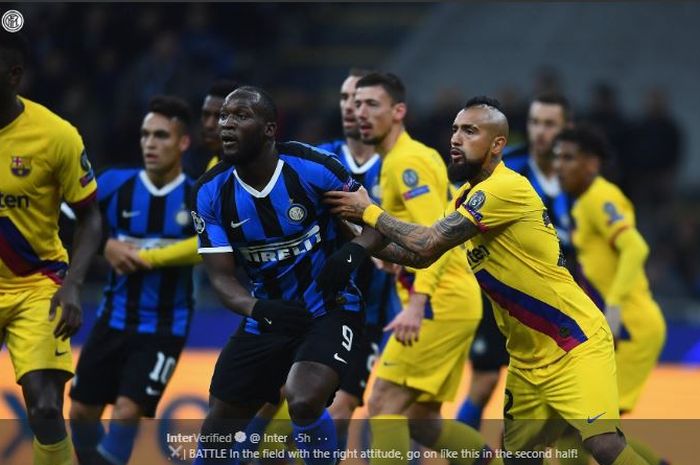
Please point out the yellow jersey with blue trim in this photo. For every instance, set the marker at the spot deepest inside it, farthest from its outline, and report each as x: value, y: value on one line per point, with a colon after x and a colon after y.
x: 518, y: 263
x: 414, y: 187
x: 42, y: 161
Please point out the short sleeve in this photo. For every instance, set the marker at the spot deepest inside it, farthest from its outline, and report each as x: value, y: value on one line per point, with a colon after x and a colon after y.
x: 74, y: 171
x: 490, y: 207
x: 206, y: 218
x: 333, y: 176
x: 610, y: 216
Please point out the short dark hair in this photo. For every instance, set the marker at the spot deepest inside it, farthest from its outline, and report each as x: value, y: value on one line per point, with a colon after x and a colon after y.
x: 14, y: 48
x: 555, y: 98
x: 266, y: 103
x: 360, y: 72
x: 222, y: 87
x: 589, y: 139
x: 391, y: 83
x: 483, y: 100
x: 172, y: 107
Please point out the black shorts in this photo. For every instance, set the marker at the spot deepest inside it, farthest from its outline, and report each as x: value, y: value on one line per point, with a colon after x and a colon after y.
x: 355, y: 380
x: 116, y: 363
x: 488, y: 351
x: 253, y: 367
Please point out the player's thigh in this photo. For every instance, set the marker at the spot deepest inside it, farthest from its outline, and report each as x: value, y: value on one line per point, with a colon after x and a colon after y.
x: 150, y: 363
x: 29, y: 334
x: 582, y: 386
x: 100, y: 366
x: 253, y: 367
x: 355, y: 381
x: 488, y: 351
x: 529, y: 423
x: 434, y: 364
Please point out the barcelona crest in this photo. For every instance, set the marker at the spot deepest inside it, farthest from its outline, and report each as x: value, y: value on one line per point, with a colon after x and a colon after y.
x: 20, y: 166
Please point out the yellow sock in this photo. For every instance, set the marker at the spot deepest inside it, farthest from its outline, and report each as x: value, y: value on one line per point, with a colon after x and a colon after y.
x: 645, y: 451
x: 456, y: 436
x: 572, y: 442
x: 390, y: 433
x: 60, y: 453
x: 629, y: 457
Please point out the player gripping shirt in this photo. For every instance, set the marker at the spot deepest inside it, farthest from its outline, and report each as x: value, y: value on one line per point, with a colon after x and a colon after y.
x: 145, y: 314
x: 414, y: 187
x: 602, y: 215
x: 561, y: 358
x: 43, y: 161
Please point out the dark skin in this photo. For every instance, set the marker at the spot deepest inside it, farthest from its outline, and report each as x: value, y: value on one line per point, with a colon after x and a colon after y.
x: 43, y: 389
x: 248, y: 143
x: 474, y: 129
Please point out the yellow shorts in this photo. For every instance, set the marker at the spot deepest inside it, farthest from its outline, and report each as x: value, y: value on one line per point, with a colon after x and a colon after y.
x: 434, y: 364
x: 638, y: 351
x: 28, y: 333
x: 580, y: 390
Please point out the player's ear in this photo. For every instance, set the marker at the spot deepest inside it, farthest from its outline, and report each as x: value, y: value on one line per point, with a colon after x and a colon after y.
x: 399, y: 111
x: 185, y: 142
x: 498, y: 143
x: 270, y: 129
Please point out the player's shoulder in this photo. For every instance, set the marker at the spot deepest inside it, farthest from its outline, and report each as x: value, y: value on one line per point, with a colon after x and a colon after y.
x: 516, y: 157
x: 409, y: 152
x: 508, y: 185
x: 304, y: 156
x: 335, y: 147
x: 213, y: 177
x: 53, y: 126
x: 604, y: 192
x: 117, y: 175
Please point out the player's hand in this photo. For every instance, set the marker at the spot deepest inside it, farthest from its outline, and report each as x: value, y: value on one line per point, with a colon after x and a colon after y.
x: 124, y: 257
x: 348, y: 205
x: 339, y: 267
x: 614, y: 317
x: 387, y: 267
x: 281, y: 316
x: 406, y: 325
x: 68, y: 299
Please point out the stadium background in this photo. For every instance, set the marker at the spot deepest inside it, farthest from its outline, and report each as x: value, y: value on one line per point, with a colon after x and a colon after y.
x: 626, y: 67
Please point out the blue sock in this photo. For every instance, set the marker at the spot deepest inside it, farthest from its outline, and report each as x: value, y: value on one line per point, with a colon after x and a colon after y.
x: 256, y: 425
x: 470, y: 414
x: 322, y: 437
x: 86, y: 434
x: 117, y: 445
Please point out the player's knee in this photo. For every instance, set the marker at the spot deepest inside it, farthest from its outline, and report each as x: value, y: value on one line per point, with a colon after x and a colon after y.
x: 45, y: 410
x: 126, y: 409
x: 304, y: 409
x: 605, y: 447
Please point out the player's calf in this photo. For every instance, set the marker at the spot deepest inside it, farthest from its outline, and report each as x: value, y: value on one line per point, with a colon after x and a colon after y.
x: 611, y: 449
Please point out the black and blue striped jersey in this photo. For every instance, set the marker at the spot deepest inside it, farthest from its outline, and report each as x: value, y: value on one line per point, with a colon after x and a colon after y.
x: 378, y: 287
x: 158, y: 301
x: 283, y: 234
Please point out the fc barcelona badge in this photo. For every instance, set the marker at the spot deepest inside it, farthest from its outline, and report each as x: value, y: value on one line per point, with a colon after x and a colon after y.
x: 20, y: 166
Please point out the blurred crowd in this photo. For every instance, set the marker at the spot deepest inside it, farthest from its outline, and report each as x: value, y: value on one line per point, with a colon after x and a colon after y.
x: 98, y: 65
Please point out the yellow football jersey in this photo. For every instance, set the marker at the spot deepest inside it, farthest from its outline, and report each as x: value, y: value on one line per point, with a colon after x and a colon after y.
x: 517, y: 260
x: 600, y: 214
x: 42, y: 161
x: 414, y: 187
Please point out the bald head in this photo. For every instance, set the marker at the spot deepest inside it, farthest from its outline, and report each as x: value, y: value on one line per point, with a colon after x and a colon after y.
x: 258, y: 99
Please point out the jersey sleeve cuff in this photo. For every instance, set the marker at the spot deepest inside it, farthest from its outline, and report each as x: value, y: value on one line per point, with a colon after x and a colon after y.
x: 473, y: 217
x: 86, y: 201
x: 371, y: 215
x: 222, y: 249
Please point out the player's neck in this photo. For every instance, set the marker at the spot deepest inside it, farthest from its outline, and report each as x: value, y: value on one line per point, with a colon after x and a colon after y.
x: 584, y: 188
x: 161, y: 179
x: 258, y: 172
x: 360, y: 152
x: 389, y: 140
x: 10, y: 110
x: 544, y: 163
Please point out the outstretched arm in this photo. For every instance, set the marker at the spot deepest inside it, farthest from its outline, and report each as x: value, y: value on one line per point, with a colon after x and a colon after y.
x: 221, y: 268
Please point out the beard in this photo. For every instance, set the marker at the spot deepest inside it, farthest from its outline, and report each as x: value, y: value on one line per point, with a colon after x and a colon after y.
x: 352, y: 133
x: 466, y: 170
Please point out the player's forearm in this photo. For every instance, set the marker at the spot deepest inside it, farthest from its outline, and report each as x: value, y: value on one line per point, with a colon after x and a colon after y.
x: 232, y: 294
x: 633, y: 253
x: 88, y: 227
x: 394, y: 253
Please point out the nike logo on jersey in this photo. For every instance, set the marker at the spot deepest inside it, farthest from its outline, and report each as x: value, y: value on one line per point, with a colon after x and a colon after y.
x: 152, y: 392
x: 338, y: 358
x: 236, y: 225
x: 592, y: 419
x: 58, y: 354
x: 130, y: 214
x: 268, y: 321
x: 349, y: 260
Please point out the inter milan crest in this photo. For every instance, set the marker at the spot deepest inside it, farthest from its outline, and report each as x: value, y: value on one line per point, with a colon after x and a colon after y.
x: 476, y: 201
x: 410, y: 178
x: 182, y: 218
x: 198, y: 222
x: 296, y: 213
x: 20, y: 166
